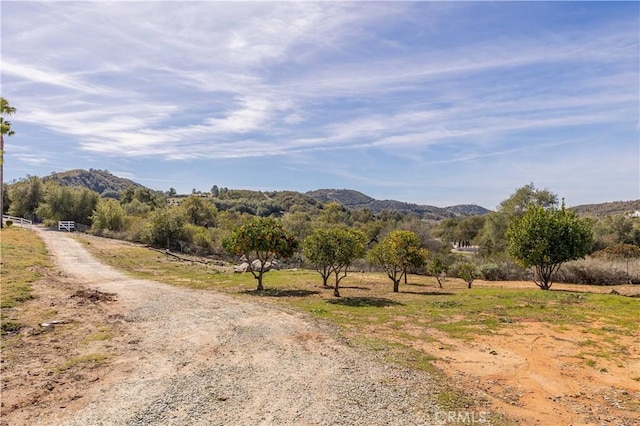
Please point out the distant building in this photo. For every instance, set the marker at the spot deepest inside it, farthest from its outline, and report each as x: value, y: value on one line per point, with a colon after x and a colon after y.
x: 635, y: 214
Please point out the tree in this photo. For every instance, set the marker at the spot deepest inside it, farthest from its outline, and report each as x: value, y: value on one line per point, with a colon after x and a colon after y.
x: 261, y: 240
x: 332, y: 251
x: 437, y: 267
x: 335, y: 213
x: 543, y: 239
x: 468, y: 272
x: 5, y: 129
x: 108, y: 214
x: 164, y: 225
x: 67, y: 203
x: 199, y: 211
x: 25, y: 197
x: 396, y: 253
x: 492, y: 237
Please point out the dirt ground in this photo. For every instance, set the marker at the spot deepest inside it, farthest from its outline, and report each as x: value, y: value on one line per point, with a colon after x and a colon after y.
x: 538, y: 376
x: 121, y: 346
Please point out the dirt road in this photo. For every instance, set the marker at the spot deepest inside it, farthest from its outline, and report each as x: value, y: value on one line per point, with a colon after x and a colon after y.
x: 199, y: 357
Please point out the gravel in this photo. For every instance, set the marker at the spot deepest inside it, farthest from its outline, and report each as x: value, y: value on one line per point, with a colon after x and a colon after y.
x: 202, y: 358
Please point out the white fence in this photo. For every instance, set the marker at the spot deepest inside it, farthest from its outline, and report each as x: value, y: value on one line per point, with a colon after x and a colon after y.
x: 66, y: 225
x: 20, y: 221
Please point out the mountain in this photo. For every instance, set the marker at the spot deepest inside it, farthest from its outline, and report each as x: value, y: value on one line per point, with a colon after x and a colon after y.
x: 607, y: 209
x: 103, y: 182
x: 99, y: 181
x: 356, y: 200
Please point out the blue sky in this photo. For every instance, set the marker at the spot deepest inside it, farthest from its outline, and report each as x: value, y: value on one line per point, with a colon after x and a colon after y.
x: 437, y: 103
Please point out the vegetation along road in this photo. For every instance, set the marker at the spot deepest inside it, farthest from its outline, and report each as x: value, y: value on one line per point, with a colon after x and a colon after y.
x: 195, y: 357
x: 210, y: 349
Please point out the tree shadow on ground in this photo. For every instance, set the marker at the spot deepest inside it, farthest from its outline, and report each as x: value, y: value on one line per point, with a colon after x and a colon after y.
x: 429, y: 293
x: 361, y: 302
x: 278, y: 292
x: 355, y: 287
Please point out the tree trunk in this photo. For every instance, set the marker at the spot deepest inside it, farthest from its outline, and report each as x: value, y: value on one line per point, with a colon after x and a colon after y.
x: 336, y: 292
x: 396, y: 285
x: 325, y: 278
x: 259, y: 278
x: 469, y: 284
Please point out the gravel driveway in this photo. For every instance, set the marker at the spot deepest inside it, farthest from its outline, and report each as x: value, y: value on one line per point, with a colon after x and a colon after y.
x: 204, y: 358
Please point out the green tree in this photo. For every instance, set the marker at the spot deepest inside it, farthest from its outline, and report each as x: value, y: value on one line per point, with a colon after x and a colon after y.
x: 298, y: 223
x: 396, y: 253
x: 25, y: 197
x: 492, y: 237
x: 335, y: 214
x: 67, y: 203
x: 199, y: 211
x: 164, y: 225
x: 108, y: 214
x: 543, y: 239
x: 437, y: 267
x: 261, y: 240
x: 5, y: 129
x: 468, y: 272
x: 332, y: 251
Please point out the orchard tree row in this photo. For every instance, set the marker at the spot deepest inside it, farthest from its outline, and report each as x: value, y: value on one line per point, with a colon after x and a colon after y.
x: 201, y: 225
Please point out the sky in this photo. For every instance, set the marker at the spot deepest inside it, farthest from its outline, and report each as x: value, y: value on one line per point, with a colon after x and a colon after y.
x: 438, y: 103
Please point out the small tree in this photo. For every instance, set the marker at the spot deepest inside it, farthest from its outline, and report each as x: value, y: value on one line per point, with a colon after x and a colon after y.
x: 25, y: 197
x: 332, y: 251
x: 468, y: 272
x: 262, y: 240
x: 164, y: 225
x: 108, y: 214
x: 545, y: 239
x: 396, y: 253
x: 438, y: 267
x: 198, y: 211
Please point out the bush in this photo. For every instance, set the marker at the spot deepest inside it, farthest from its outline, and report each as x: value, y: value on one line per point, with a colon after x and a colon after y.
x: 597, y: 272
x: 8, y: 223
x: 503, y: 271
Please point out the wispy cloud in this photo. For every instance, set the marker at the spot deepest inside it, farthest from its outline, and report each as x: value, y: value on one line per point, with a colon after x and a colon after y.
x: 411, y: 81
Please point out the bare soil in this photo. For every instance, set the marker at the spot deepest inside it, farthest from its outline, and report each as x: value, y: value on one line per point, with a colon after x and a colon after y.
x: 133, y: 352
x: 119, y: 351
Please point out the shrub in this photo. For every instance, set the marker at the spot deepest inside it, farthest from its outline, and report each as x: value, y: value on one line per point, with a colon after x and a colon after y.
x: 8, y: 223
x: 598, y: 272
x: 503, y: 271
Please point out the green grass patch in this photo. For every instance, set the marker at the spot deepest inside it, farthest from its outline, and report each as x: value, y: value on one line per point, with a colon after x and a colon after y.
x: 91, y: 360
x: 23, y: 256
x: 391, y: 323
x: 10, y: 327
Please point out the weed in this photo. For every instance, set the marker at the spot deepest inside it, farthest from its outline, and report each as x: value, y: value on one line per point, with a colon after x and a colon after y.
x: 92, y: 360
x: 10, y: 327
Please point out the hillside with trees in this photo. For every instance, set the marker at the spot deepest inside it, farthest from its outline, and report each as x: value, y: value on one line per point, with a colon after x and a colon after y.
x: 607, y: 209
x: 100, y: 181
x: 199, y: 223
x: 355, y: 200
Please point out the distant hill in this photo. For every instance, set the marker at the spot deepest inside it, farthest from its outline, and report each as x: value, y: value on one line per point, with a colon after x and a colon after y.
x: 100, y: 181
x: 607, y: 209
x: 356, y: 200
